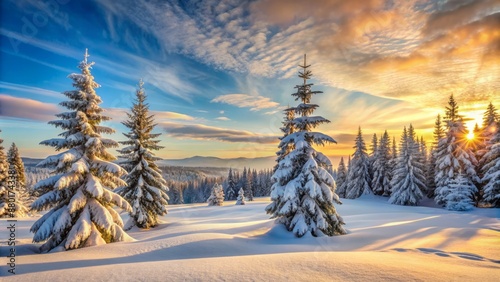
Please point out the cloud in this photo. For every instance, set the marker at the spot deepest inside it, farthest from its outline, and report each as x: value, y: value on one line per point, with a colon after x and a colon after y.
x: 411, y: 50
x: 255, y: 103
x: 29, y: 89
x: 223, y: 118
x: 15, y: 107
x: 204, y: 132
x: 119, y: 114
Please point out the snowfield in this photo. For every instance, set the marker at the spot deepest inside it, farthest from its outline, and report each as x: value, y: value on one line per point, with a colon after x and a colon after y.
x: 240, y: 243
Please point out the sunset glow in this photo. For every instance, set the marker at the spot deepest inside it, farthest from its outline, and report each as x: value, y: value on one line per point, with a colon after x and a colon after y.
x: 219, y: 73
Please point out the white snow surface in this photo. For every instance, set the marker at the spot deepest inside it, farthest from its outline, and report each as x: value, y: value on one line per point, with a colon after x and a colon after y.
x: 240, y: 243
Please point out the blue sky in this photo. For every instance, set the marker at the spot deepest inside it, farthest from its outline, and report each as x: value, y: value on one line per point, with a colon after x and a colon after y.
x: 217, y: 73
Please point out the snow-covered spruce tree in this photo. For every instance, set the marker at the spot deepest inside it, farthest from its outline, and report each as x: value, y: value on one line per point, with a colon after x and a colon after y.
x: 373, y: 154
x: 80, y: 191
x: 241, y: 197
x: 217, y: 196
x: 486, y: 133
x: 459, y: 193
x: 231, y: 186
x: 341, y: 179
x: 453, y: 155
x: 4, y: 170
x: 146, y: 190
x: 21, y: 194
x: 408, y: 180
x: 358, y: 178
x: 491, y: 170
x: 381, y: 167
x: 246, y: 183
x: 431, y: 170
x: 302, y: 191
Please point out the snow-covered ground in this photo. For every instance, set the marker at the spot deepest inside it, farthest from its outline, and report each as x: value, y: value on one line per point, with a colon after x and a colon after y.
x: 240, y: 243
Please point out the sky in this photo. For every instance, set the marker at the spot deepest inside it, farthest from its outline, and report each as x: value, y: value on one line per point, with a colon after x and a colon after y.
x: 219, y: 73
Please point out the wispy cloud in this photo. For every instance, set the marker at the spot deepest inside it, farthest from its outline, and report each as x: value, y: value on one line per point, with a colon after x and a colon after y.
x: 14, y: 107
x: 119, y: 114
x: 29, y: 89
x: 413, y: 50
x: 255, y: 103
x: 204, y: 132
x: 223, y: 118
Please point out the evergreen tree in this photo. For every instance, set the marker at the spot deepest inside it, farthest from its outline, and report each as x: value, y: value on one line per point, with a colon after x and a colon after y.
x: 381, y: 167
x: 231, y: 186
x: 4, y: 174
x: 459, y: 192
x: 453, y: 155
x: 358, y: 178
x: 408, y: 176
x: 373, y: 154
x: 451, y: 113
x: 302, y: 191
x: 241, y: 197
x: 80, y: 191
x: 431, y: 171
x: 255, y: 184
x: 491, y: 170
x: 217, y: 196
x: 21, y: 195
x: 341, y: 179
x: 490, y: 116
x: 146, y: 190
x: 246, y: 185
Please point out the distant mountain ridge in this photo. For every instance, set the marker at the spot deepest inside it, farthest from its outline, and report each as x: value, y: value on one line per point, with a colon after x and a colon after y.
x: 239, y: 163
x: 199, y: 161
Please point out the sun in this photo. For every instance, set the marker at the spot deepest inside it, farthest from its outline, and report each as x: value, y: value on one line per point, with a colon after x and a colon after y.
x: 470, y: 135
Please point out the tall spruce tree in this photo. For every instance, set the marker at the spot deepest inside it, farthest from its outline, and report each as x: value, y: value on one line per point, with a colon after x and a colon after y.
x: 231, y: 186
x: 381, y: 167
x: 373, y: 154
x: 438, y: 133
x: 4, y: 174
x: 408, y: 180
x: 358, y: 178
x: 491, y: 170
x: 21, y: 195
x: 453, y: 155
x: 341, y: 179
x: 80, y: 191
x: 302, y: 192
x: 146, y: 190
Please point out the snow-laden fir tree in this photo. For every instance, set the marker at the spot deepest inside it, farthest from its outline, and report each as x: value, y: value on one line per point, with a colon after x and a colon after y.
x: 453, y: 155
x: 231, y: 186
x: 459, y: 192
x: 341, y: 180
x: 491, y: 170
x: 246, y: 183
x: 485, y: 134
x: 381, y: 167
x: 21, y: 194
x: 4, y: 173
x: 358, y: 178
x: 408, y: 179
x: 216, y: 196
x: 373, y: 154
x: 146, y: 190
x: 302, y: 191
x: 79, y: 193
x: 241, y: 197
x: 438, y: 133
